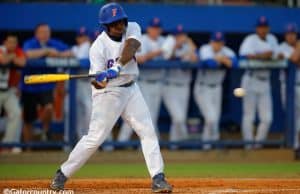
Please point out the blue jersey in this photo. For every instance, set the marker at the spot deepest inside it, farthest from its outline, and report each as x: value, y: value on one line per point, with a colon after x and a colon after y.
x: 35, y: 44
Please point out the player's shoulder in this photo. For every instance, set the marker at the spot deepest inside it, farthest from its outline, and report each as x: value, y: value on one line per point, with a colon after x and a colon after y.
x: 133, y: 25
x: 31, y: 41
x: 205, y: 48
x: 271, y: 37
x: 251, y: 37
x: 228, y: 50
x: 97, y: 45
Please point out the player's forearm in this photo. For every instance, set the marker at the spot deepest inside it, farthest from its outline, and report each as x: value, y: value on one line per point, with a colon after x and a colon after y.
x: 4, y: 59
x: 20, y: 61
x: 129, y: 50
x: 37, y: 53
x: 66, y: 54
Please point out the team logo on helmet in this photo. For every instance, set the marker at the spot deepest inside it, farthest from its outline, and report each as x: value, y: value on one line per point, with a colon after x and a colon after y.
x: 114, y: 12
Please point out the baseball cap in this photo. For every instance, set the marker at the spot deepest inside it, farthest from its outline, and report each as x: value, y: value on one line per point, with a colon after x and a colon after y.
x: 82, y: 31
x: 262, y: 21
x: 291, y: 28
x: 155, y: 22
x: 178, y: 30
x: 217, y: 36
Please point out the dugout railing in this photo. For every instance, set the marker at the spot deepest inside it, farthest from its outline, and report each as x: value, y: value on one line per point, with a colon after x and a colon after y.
x: 72, y: 66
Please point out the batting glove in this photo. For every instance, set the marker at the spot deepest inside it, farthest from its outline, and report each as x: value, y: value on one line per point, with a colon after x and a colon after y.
x: 101, y: 76
x: 114, y: 71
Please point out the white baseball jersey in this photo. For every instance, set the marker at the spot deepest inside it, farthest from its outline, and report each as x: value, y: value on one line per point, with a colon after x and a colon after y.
x: 177, y: 76
x: 287, y: 51
x: 113, y: 102
x: 212, y: 76
x: 105, y: 52
x: 149, y: 45
x: 253, y: 44
x: 81, y: 51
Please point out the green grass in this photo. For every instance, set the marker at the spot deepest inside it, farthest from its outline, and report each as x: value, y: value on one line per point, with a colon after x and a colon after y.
x: 203, y: 170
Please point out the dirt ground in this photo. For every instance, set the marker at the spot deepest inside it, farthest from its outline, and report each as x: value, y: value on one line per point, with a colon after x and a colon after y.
x: 185, y: 186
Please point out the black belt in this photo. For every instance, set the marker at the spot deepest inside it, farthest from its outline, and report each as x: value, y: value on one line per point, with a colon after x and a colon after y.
x: 209, y: 85
x: 127, y: 84
x: 150, y: 81
x: 174, y: 84
x: 257, y: 77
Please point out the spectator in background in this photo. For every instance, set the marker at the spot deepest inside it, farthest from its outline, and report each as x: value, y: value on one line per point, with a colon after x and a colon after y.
x: 259, y: 46
x: 287, y: 50
x: 150, y: 80
x: 40, y: 96
x: 83, y: 95
x: 208, y: 85
x: 176, y: 88
x: 11, y: 57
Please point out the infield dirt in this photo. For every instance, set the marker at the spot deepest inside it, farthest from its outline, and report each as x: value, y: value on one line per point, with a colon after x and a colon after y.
x: 185, y: 186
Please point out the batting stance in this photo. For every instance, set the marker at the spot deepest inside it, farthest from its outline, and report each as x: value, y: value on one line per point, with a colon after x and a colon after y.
x: 116, y: 94
x: 208, y: 85
x: 261, y: 46
x: 288, y: 50
x: 176, y: 88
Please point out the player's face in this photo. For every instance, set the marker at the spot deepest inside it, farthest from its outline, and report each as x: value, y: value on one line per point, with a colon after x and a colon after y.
x: 291, y: 38
x: 181, y: 39
x: 117, y: 28
x: 262, y: 31
x: 43, y: 33
x: 154, y: 32
x: 11, y: 43
x: 217, y: 45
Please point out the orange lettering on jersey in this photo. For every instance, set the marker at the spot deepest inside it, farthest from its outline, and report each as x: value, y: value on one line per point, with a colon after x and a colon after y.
x: 114, y: 12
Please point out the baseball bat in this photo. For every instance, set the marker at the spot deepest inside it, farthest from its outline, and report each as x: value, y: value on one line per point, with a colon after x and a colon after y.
x: 47, y: 78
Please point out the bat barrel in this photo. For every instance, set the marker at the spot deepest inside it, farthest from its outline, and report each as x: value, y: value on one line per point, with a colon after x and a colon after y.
x: 46, y: 78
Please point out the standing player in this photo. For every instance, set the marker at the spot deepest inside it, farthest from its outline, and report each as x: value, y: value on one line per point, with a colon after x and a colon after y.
x: 208, y: 86
x: 287, y: 50
x: 11, y: 55
x: 260, y: 46
x: 83, y: 97
x: 150, y: 80
x: 176, y: 89
x: 116, y: 94
x: 40, y: 96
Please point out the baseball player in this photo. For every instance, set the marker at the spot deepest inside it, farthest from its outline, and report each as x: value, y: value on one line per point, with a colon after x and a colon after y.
x: 11, y: 55
x: 116, y: 94
x: 208, y: 85
x: 150, y: 81
x: 176, y: 88
x: 287, y: 50
x: 83, y: 97
x: 261, y: 46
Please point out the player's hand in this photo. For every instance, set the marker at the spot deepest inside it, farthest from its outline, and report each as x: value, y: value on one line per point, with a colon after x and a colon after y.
x: 101, y: 77
x: 114, y: 71
x: 52, y: 52
x: 99, y: 85
x: 100, y: 80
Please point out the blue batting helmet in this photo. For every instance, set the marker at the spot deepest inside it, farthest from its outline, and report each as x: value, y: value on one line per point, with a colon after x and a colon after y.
x: 110, y: 13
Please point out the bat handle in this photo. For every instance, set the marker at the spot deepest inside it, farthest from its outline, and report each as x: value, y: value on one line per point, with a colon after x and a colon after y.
x: 82, y: 76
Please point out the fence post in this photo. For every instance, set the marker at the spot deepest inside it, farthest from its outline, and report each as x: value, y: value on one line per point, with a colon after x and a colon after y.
x: 290, y: 105
x: 72, y: 110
